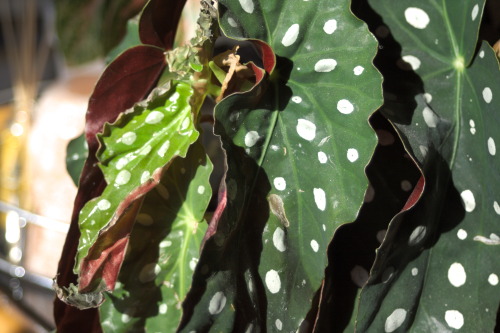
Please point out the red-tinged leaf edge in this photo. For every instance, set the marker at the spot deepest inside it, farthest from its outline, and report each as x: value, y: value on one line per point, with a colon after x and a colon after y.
x: 125, y: 82
x: 101, y: 267
x: 415, y: 194
x: 353, y: 248
x: 269, y: 63
x: 158, y: 22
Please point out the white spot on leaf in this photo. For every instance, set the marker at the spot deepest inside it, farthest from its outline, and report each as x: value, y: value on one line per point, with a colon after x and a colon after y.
x: 413, y: 61
x: 273, y: 281
x: 469, y: 200
x: 487, y: 95
x: 314, y: 245
x: 395, y: 320
x: 279, y: 324
x: 296, y: 99
x: 192, y: 263
x: 416, y: 17
x: 145, y: 176
x: 129, y: 138
x: 359, y: 276
x: 461, y: 234
x: 251, y: 138
x: 162, y: 309
x: 492, y: 149
x: 123, y: 177
x: 279, y: 183
x: 165, y: 243
x: 217, y: 303
x: 344, y: 106
x: 325, y: 65
x: 493, y: 279
x: 417, y: 235
x: 414, y: 271
x: 454, y: 319
x: 279, y: 239
x: 247, y: 6
x: 322, y: 158
x: 154, y: 117
x: 475, y: 11
x: 103, y: 204
x: 496, y: 207
x: 232, y: 22
x: 330, y: 26
x: 423, y: 150
x: 201, y: 189
x: 291, y: 35
x: 430, y: 118
x: 358, y: 70
x: 319, y: 198
x: 164, y: 148
x: 144, y: 150
x: 456, y: 274
x: 481, y: 54
x: 306, y: 129
x: 352, y: 154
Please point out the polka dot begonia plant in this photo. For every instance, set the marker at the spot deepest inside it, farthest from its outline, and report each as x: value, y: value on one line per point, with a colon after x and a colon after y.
x: 312, y: 225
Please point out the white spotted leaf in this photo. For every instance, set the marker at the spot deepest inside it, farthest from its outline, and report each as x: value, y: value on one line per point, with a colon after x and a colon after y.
x: 295, y: 161
x: 162, y: 129
x: 156, y: 274
x: 440, y: 252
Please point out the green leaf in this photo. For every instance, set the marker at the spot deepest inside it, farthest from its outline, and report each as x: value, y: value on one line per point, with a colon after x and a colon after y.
x: 145, y: 139
x: 437, y: 269
x: 352, y: 251
x: 76, y: 154
x: 163, y: 250
x: 297, y: 145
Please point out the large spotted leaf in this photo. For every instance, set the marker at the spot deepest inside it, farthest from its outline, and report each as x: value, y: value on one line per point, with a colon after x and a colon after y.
x: 437, y: 270
x: 163, y: 250
x: 134, y: 151
x: 296, y: 145
x: 352, y: 251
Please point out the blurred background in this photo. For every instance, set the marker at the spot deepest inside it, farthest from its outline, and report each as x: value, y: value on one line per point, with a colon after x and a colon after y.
x: 51, y: 55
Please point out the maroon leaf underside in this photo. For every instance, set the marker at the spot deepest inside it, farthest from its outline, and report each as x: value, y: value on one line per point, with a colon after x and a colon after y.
x: 126, y: 81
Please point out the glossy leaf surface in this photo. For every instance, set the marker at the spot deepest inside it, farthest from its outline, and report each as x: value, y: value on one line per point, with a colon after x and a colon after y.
x: 156, y: 273
x: 145, y: 139
x: 297, y: 145
x: 437, y: 270
x: 76, y: 154
x: 352, y: 251
x: 125, y: 82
